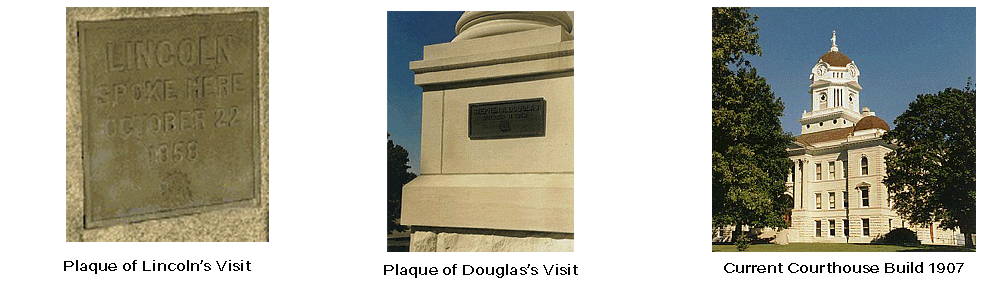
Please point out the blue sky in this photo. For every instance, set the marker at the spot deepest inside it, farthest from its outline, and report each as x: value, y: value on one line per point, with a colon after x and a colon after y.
x: 901, y: 52
x: 407, y: 33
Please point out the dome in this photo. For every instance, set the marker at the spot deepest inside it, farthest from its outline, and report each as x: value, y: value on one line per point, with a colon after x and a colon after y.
x: 871, y: 122
x: 836, y: 59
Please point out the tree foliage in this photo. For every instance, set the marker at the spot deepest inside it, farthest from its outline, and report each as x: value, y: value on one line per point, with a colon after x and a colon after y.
x: 749, y: 158
x: 932, y: 176
x: 398, y: 174
x: 734, y: 36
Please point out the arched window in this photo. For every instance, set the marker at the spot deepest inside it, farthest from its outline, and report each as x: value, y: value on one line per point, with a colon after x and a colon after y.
x: 864, y: 165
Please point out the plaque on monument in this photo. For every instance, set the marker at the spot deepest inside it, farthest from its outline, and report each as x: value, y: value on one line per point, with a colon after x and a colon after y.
x: 507, y: 119
x: 170, y: 116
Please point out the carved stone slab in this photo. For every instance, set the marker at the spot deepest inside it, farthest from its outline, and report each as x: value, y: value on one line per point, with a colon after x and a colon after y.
x: 170, y: 116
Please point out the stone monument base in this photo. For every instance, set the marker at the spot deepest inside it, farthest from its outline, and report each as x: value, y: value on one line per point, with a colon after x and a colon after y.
x: 439, y: 239
x: 781, y: 238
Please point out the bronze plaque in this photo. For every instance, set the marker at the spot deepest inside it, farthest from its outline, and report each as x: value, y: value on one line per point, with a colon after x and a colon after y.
x: 507, y: 119
x: 170, y: 116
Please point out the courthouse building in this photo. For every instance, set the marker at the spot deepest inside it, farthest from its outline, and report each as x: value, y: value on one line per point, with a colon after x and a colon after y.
x: 839, y: 162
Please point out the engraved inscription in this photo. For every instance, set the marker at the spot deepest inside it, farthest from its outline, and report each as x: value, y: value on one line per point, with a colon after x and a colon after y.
x: 507, y: 119
x: 170, y: 110
x: 174, y: 152
x: 125, y: 55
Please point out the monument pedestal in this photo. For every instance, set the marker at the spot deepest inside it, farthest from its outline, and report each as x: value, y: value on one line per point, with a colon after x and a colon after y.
x: 497, y: 137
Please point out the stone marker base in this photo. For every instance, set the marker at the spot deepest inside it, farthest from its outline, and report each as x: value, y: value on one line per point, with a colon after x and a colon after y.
x: 781, y: 238
x: 436, y: 239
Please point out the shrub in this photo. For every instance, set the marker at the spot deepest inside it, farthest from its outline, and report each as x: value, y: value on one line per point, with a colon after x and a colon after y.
x: 742, y: 242
x: 899, y: 237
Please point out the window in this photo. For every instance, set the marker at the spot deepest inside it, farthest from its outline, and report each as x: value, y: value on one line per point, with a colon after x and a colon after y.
x: 890, y: 224
x: 819, y: 171
x: 833, y: 200
x: 819, y: 201
x: 845, y: 199
x: 833, y: 228
x: 845, y: 168
x: 864, y: 166
x: 847, y: 228
x: 864, y: 197
x: 819, y: 228
x: 864, y: 227
x: 833, y: 168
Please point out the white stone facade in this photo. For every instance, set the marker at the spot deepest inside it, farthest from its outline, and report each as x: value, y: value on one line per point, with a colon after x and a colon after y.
x: 865, y: 219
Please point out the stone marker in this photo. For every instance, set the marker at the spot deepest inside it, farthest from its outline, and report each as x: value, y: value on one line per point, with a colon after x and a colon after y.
x: 497, y: 138
x: 169, y: 115
x: 781, y: 238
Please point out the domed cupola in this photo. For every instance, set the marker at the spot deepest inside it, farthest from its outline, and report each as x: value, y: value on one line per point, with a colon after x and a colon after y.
x: 870, y: 121
x: 835, y: 91
x: 836, y: 59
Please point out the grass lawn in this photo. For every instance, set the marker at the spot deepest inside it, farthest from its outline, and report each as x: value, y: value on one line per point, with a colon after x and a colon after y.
x: 836, y: 247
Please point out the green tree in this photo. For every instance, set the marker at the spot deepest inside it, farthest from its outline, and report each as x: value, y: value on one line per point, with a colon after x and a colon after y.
x: 398, y: 175
x: 749, y: 158
x: 931, y: 177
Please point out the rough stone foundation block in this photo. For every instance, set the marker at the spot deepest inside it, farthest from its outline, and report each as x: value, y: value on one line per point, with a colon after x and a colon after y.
x: 480, y: 240
x: 423, y: 241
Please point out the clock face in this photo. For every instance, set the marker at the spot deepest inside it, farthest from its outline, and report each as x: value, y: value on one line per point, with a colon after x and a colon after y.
x: 821, y: 69
x: 822, y: 97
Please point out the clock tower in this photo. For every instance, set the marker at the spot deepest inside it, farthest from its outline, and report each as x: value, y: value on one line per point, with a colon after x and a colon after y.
x: 835, y: 92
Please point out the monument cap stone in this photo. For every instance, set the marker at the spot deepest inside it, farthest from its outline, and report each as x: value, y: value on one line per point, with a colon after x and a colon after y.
x: 476, y: 24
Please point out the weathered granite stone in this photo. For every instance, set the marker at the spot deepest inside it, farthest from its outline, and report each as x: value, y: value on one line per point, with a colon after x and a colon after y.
x: 423, y: 241
x: 484, y: 240
x: 459, y: 242
x: 249, y: 223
